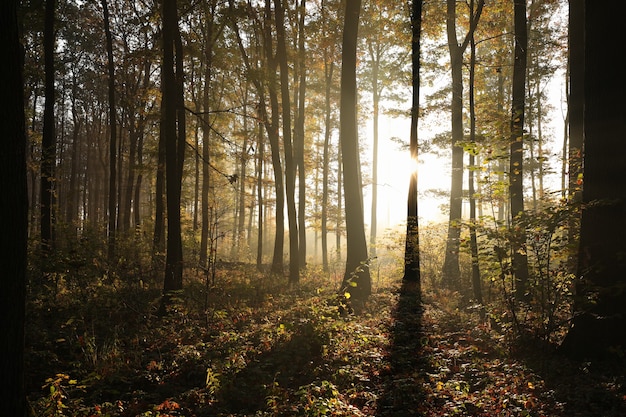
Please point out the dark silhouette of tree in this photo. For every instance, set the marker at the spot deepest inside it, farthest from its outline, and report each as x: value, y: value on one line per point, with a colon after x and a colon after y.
x: 13, y: 215
x: 516, y: 161
x: 112, y: 223
x: 357, y: 280
x: 48, y: 141
x: 412, y: 250
x: 172, y: 126
x: 600, y: 303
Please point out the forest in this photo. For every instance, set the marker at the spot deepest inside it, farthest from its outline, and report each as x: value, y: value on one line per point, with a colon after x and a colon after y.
x: 312, y: 208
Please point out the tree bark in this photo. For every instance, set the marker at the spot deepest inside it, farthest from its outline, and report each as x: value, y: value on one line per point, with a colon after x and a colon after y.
x: 13, y: 215
x: 357, y: 280
x: 600, y: 303
x: 112, y: 223
x: 412, y: 271
x: 170, y: 111
x: 48, y: 142
x: 516, y: 171
x: 290, y: 167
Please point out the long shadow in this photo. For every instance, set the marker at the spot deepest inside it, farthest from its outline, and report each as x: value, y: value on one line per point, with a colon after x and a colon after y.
x: 290, y: 363
x: 403, y: 394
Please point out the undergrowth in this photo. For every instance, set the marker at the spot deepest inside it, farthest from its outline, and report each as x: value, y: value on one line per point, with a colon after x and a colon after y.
x: 251, y: 346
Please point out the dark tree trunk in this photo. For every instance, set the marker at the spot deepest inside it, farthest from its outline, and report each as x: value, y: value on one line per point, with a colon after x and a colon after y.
x: 48, y: 141
x: 13, y: 215
x: 357, y: 268
x: 411, y: 250
x: 516, y: 171
x: 600, y: 304
x: 112, y: 223
x: 170, y: 115
x: 575, y: 113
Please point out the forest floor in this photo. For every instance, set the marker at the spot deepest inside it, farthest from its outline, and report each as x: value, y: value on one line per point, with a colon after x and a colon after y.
x: 250, y: 347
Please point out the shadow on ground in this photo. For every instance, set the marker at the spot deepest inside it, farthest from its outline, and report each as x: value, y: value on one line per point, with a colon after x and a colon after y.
x: 402, y: 394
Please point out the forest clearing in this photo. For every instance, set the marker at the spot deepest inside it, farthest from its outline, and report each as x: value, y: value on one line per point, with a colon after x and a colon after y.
x: 262, y: 349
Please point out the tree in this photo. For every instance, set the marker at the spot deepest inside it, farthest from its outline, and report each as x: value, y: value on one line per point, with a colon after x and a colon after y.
x: 476, y: 283
x: 600, y: 303
x: 172, y: 126
x: 290, y: 166
x: 13, y: 215
x: 112, y: 224
x: 516, y: 161
x: 48, y: 141
x: 357, y: 280
x: 412, y: 249
x: 451, y: 272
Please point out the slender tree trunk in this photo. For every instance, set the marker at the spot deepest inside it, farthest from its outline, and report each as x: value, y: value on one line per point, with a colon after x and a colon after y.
x: 412, y: 271
x: 299, y: 139
x: 451, y: 272
x: 516, y: 187
x: 476, y: 281
x: 260, y: 201
x: 112, y: 223
x: 357, y: 268
x: 206, y: 135
x: 13, y: 213
x: 328, y: 75
x: 376, y: 108
x: 290, y: 168
x: 48, y: 143
x: 171, y: 114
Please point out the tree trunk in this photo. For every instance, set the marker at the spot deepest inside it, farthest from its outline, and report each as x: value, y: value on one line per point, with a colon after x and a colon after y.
x: 206, y: 135
x: 516, y: 187
x: 451, y: 274
x: 575, y: 106
x: 412, y: 271
x: 357, y: 280
x: 13, y: 214
x: 476, y: 282
x: 112, y: 223
x: 48, y: 142
x: 290, y: 168
x: 299, y: 139
x: 600, y: 303
x: 170, y: 111
x: 328, y: 76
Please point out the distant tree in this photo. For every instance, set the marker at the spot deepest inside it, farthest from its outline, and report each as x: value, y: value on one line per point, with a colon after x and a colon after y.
x: 357, y: 269
x: 516, y: 161
x: 600, y: 304
x: 13, y: 215
x: 412, y: 249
